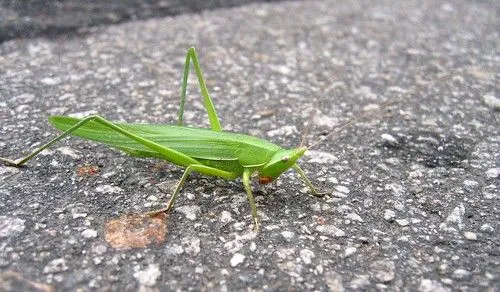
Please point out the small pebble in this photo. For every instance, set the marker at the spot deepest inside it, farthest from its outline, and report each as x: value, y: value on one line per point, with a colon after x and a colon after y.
x: 189, y: 211
x: 306, y: 255
x: 11, y: 226
x: 402, y: 222
x: 148, y: 276
x: 342, y: 189
x: 89, y: 233
x: 493, y: 172
x: 389, y: 214
x: 350, y: 250
x: 226, y: 217
x: 492, y: 101
x: 470, y: 235
x: 237, y: 259
x: 487, y: 228
x: 461, y: 274
x: 287, y: 234
x: 389, y: 139
x: 330, y: 230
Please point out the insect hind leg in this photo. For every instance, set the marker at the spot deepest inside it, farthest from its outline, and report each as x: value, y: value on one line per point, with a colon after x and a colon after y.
x: 191, y: 56
x: 22, y: 161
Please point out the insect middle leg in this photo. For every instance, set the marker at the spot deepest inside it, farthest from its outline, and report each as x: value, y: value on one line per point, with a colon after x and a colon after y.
x: 198, y: 168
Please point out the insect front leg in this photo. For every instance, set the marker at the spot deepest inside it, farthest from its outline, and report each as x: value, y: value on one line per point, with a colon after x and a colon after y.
x: 212, y: 114
x: 247, y: 172
x: 307, y: 181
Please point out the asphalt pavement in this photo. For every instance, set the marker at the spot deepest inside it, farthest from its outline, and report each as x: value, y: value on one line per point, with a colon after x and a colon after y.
x: 411, y: 191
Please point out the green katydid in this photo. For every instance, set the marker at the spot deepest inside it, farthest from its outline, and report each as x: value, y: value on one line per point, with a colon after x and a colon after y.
x: 208, y: 151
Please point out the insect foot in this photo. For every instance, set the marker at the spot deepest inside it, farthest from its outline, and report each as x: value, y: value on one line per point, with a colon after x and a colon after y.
x: 8, y: 162
x: 256, y: 226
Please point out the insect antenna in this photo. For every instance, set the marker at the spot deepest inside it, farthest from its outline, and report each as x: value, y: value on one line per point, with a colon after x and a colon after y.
x: 380, y: 107
x: 306, y: 129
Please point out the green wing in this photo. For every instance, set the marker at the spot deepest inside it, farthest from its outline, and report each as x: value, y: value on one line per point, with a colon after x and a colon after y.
x: 194, y: 142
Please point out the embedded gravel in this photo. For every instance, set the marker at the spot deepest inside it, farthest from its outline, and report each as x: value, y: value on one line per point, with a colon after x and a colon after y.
x: 412, y: 192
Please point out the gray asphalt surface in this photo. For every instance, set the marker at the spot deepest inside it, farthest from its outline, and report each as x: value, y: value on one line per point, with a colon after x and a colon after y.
x: 412, y: 198
x: 75, y: 18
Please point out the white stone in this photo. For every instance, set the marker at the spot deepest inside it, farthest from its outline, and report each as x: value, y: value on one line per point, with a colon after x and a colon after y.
x: 350, y: 250
x: 325, y: 121
x: 284, y: 253
x: 306, y: 255
x: 79, y: 215
x: 354, y: 217
x: 456, y: 216
x: 283, y: 131
x: 492, y: 101
x: 174, y: 250
x: 470, y: 235
x: 487, y: 228
x: 471, y: 183
x: 320, y: 157
x: 287, y: 234
x: 189, y: 211
x: 148, y: 276
x: 330, y: 230
x: 342, y: 189
x: 226, y: 217
x: 461, y: 274
x: 11, y: 226
x: 89, y: 233
x: 50, y: 81
x: 333, y: 180
x: 389, y: 139
x: 191, y: 245
x: 428, y: 285
x: 389, y: 214
x: 152, y: 198
x: 108, y: 189
x: 402, y: 222
x: 493, y: 172
x: 237, y: 259
x: 100, y: 249
x: 282, y: 69
x: 69, y: 152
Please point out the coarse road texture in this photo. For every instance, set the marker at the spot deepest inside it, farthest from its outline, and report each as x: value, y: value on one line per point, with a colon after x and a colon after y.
x: 412, y: 198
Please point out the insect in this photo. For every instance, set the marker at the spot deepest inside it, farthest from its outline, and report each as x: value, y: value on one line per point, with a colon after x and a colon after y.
x: 210, y: 152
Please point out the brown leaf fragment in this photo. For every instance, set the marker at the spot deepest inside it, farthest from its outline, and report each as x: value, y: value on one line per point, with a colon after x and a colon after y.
x: 12, y: 281
x: 87, y: 170
x: 136, y: 230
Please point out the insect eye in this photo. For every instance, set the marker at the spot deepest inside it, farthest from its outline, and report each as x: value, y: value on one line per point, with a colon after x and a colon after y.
x: 285, y: 158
